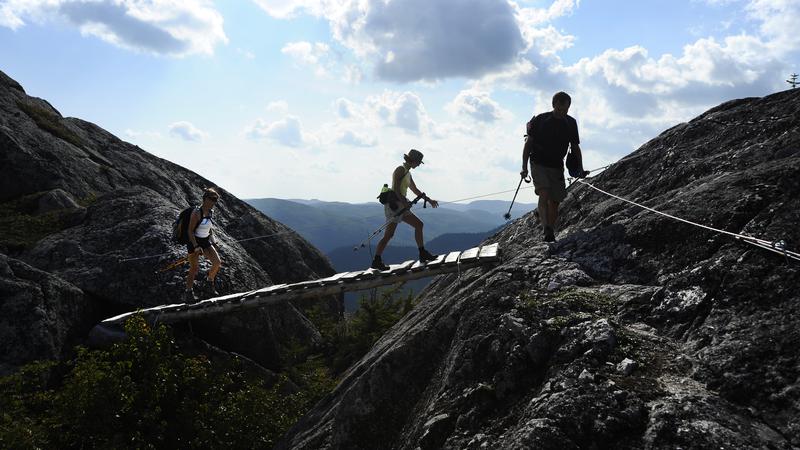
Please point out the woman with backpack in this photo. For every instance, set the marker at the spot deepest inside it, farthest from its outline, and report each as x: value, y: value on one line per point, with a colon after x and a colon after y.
x: 399, y: 210
x: 200, y: 240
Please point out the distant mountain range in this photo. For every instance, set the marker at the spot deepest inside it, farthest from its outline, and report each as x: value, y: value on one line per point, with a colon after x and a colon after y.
x: 332, y: 225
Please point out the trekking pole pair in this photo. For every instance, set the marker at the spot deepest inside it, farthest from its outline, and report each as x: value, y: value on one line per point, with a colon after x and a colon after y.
x: 521, y: 179
x: 382, y: 227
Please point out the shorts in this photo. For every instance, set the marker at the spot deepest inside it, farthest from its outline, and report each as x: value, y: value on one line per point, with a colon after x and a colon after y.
x: 391, y: 214
x: 549, y: 179
x: 203, y: 243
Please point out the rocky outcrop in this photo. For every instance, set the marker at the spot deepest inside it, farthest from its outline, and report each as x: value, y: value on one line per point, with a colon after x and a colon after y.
x: 104, y: 207
x: 632, y: 331
x: 41, y: 315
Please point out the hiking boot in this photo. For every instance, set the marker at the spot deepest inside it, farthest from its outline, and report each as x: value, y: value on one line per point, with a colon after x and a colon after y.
x: 210, y: 289
x: 549, y: 235
x: 425, y: 256
x: 377, y: 263
x: 189, y: 297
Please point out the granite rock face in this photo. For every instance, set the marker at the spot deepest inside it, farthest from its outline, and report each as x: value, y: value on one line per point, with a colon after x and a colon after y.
x: 632, y: 331
x: 112, y: 205
x: 40, y: 314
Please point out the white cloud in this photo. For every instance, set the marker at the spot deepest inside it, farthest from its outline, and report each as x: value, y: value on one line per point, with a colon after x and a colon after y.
x: 344, y: 108
x: 163, y: 27
x: 478, y: 105
x: 278, y: 106
x: 410, y: 40
x: 306, y: 52
x: 355, y: 139
x: 284, y: 9
x: 186, y: 131
x: 779, y: 21
x: 287, y: 131
x: 403, y: 110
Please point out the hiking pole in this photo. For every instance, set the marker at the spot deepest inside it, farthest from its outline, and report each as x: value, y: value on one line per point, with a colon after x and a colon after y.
x: 508, y: 214
x: 174, y: 264
x: 382, y: 227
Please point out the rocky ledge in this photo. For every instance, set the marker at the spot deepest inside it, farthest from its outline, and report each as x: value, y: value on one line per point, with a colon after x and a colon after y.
x: 632, y: 331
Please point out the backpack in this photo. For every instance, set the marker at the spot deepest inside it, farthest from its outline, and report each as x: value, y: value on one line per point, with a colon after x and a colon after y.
x: 388, y: 196
x: 180, y: 227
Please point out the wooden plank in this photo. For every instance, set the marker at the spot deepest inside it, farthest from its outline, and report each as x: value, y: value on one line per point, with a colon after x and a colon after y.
x: 276, y: 289
x: 468, y: 255
x: 266, y: 291
x: 333, y: 279
x: 437, y: 262
x: 304, y: 284
x: 489, y: 251
x: 352, y: 275
x: 452, y: 258
x: 230, y: 296
x: 400, y: 268
x: 369, y: 274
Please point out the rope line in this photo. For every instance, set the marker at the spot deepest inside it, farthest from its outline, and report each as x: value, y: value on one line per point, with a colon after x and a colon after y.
x: 778, y: 247
x: 482, y: 196
x: 232, y: 242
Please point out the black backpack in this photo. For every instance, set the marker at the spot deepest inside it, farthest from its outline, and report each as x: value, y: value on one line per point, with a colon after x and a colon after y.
x: 180, y: 227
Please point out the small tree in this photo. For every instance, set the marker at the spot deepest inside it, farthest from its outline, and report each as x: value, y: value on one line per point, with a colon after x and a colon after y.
x: 793, y: 80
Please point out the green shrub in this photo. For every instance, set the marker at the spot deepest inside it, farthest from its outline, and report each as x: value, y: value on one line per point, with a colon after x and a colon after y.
x: 348, y: 340
x: 50, y: 122
x: 142, y: 393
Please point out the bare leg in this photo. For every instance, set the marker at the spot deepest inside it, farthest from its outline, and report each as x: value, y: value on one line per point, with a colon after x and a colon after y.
x: 194, y: 266
x: 544, y: 207
x: 552, y: 213
x: 211, y: 254
x: 387, y: 236
x: 414, y: 221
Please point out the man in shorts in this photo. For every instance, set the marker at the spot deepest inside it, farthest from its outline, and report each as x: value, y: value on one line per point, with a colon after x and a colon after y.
x: 550, y: 135
x: 401, y: 183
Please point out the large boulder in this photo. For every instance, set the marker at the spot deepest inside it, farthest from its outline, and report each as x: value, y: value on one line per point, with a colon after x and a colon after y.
x: 41, y: 315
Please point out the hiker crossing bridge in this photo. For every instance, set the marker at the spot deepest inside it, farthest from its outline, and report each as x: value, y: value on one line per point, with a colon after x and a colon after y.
x: 341, y: 282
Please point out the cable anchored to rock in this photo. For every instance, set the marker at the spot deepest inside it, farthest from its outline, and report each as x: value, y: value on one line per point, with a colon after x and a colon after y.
x: 778, y: 247
x: 236, y: 241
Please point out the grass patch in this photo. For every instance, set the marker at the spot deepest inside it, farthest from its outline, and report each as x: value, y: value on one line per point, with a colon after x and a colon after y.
x: 575, y: 299
x: 89, y: 200
x: 50, y: 122
x: 20, y: 229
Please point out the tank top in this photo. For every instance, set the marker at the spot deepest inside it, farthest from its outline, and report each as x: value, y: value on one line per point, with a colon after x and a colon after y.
x: 203, y: 229
x: 405, y: 182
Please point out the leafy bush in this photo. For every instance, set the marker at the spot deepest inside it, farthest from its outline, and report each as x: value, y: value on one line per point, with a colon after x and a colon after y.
x: 142, y: 393
x: 348, y: 340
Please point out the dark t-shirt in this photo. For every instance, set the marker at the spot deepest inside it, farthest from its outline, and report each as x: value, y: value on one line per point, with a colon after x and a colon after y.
x: 551, y: 137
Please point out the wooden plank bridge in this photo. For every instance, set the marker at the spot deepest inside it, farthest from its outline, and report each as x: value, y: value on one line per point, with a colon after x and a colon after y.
x: 341, y: 282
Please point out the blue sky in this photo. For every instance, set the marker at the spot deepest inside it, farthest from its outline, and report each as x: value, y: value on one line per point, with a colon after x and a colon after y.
x: 320, y: 99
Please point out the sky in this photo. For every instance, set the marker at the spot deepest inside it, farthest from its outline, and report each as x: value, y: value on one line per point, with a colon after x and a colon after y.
x: 321, y: 99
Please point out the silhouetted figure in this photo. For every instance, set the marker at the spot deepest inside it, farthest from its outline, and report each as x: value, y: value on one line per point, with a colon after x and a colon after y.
x: 550, y: 135
x: 399, y: 210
